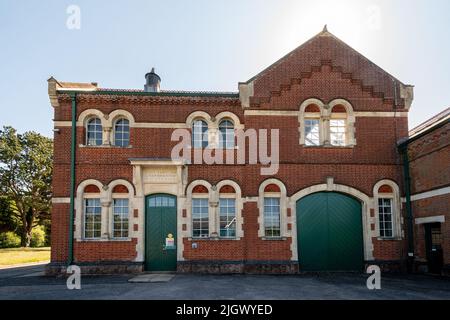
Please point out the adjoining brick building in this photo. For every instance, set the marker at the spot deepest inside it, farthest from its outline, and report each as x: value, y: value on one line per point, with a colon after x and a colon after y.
x: 428, y: 166
x: 122, y: 203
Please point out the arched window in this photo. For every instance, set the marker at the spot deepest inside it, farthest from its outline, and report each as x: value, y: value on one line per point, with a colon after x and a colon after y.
x: 328, y: 125
x: 199, y: 134
x: 227, y: 212
x: 312, y: 125
x: 226, y: 128
x: 387, y: 204
x: 122, y: 133
x: 94, y: 132
x: 338, y: 126
x: 92, y: 212
x: 272, y: 212
x: 200, y: 212
x: 272, y: 204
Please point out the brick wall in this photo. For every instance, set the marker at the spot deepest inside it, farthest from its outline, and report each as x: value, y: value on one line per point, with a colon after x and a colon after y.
x: 430, y: 170
x: 374, y: 158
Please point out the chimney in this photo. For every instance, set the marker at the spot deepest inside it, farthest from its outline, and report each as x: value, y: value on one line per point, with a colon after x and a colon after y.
x: 152, y: 81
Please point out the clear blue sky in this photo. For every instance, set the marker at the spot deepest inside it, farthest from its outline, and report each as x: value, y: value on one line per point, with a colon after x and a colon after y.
x: 208, y: 45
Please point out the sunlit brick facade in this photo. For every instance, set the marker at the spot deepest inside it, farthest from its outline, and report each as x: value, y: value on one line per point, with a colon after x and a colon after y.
x: 339, y: 118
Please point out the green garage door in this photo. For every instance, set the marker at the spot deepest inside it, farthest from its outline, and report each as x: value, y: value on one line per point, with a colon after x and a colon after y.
x: 160, y: 225
x: 329, y: 233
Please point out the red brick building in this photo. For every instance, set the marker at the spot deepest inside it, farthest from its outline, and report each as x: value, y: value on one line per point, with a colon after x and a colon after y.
x: 428, y: 151
x: 123, y: 203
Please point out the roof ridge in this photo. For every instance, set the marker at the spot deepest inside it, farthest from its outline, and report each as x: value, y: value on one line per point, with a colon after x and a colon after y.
x: 430, y: 122
x: 323, y: 33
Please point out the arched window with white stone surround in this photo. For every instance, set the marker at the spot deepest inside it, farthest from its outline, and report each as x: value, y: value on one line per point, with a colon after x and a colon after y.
x: 92, y: 212
x: 229, y: 210
x: 94, y: 132
x: 388, y: 209
x: 272, y: 205
x: 122, y: 132
x: 329, y: 124
x: 226, y: 137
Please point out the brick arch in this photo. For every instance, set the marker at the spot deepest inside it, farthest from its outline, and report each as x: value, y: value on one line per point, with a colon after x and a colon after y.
x: 227, y: 189
x: 190, y: 188
x: 88, y: 114
x: 91, y: 188
x: 385, y: 189
x: 120, y: 188
x: 121, y: 185
x: 272, y: 188
x: 200, y: 189
x: 312, y: 108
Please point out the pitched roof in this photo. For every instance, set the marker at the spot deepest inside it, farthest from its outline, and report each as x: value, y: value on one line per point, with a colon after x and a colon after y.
x: 324, y: 48
x: 430, y: 123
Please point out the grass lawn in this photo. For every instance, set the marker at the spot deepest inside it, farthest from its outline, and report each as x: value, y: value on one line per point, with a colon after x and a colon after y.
x: 23, y: 255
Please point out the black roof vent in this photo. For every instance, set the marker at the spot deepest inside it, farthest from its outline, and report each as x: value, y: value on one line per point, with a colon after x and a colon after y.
x: 152, y: 81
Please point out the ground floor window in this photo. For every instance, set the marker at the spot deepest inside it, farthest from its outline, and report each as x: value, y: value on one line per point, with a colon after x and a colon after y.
x: 272, y: 217
x: 227, y: 217
x: 200, y: 218
x: 385, y: 217
x: 120, y: 218
x: 92, y: 219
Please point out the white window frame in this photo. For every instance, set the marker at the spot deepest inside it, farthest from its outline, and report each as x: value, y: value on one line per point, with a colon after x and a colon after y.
x: 392, y: 206
x: 95, y: 131
x: 319, y: 127
x: 85, y: 199
x: 204, y: 135
x: 204, y: 197
x: 122, y: 132
x: 120, y: 197
x: 277, y: 197
x: 343, y: 142
x: 228, y: 137
x: 397, y: 221
x: 227, y: 197
x: 284, y: 220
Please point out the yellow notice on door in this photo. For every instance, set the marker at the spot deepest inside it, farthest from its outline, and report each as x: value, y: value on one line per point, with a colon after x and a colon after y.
x: 170, y: 242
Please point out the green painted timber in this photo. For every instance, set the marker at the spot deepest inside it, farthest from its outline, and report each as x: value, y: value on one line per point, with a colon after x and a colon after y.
x: 160, y: 221
x: 329, y: 233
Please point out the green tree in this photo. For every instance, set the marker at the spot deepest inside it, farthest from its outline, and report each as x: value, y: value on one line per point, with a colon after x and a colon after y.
x: 25, y: 177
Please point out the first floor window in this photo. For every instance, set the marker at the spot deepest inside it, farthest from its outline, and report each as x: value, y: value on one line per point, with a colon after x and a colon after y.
x: 385, y: 217
x: 122, y: 133
x: 272, y: 217
x: 92, y: 218
x: 337, y: 132
x: 200, y: 218
x: 120, y: 218
x: 200, y: 134
x: 94, y: 132
x: 226, y: 137
x: 312, y: 132
x: 227, y: 217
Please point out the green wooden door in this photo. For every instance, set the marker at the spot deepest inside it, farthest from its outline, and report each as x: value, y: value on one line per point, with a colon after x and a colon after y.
x: 329, y: 233
x: 160, y: 222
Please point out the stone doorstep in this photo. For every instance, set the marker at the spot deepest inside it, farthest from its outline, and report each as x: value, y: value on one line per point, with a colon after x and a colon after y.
x: 152, y: 277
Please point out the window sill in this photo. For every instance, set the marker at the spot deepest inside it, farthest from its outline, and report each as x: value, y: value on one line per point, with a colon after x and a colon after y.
x: 274, y: 238
x: 328, y: 147
x: 105, y: 240
x: 213, y: 239
x: 389, y: 239
x: 104, y: 146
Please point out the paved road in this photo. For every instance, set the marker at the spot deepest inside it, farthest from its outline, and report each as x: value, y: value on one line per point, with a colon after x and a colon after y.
x: 29, y: 283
